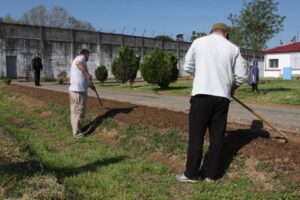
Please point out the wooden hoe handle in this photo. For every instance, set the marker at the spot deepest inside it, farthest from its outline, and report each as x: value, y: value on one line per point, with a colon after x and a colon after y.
x: 283, y: 136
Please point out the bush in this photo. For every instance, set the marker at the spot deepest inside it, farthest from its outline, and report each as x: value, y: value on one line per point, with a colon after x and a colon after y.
x: 126, y: 65
x: 160, y: 68
x: 62, y: 77
x: 7, y: 81
x: 163, y: 38
x: 101, y: 73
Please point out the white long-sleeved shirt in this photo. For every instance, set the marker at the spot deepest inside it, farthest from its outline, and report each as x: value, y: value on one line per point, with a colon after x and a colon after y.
x: 78, y: 81
x: 216, y: 64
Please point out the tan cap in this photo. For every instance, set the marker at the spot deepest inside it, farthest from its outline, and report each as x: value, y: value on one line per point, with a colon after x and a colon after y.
x: 221, y: 26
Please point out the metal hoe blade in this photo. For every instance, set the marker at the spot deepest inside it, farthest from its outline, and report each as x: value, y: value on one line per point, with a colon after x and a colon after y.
x: 282, y: 135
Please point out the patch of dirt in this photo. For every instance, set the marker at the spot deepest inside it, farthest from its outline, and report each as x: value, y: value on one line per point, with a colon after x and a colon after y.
x: 45, y: 114
x: 125, y: 112
x: 26, y: 102
x: 251, y: 164
x: 107, y: 137
x: 9, y: 151
x: 262, y: 179
x: 240, y: 140
x: 173, y: 162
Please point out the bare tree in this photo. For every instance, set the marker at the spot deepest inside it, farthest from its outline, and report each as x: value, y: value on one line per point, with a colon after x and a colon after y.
x: 78, y: 24
x: 36, y: 16
x: 8, y: 19
x: 59, y: 17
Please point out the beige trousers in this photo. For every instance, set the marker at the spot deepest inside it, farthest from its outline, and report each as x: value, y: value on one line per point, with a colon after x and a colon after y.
x: 78, y: 107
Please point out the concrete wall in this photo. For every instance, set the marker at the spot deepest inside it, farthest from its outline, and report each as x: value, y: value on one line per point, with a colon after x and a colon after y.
x: 59, y: 47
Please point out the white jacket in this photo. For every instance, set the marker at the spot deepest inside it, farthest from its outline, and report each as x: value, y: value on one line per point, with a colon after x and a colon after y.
x: 216, y: 64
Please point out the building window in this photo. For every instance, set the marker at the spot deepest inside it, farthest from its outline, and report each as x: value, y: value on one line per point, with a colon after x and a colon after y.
x: 295, y: 61
x: 273, y: 63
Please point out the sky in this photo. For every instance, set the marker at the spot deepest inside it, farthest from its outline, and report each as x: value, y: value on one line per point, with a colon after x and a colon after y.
x: 157, y: 17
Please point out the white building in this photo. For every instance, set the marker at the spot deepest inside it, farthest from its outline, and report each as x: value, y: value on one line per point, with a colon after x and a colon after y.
x: 278, y: 58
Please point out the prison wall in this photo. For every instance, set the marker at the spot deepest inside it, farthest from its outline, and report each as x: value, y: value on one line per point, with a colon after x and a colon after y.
x: 59, y: 47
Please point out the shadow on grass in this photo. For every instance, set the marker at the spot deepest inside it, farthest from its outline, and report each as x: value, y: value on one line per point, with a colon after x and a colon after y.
x: 171, y: 88
x: 275, y: 90
x: 235, y: 141
x: 269, y: 90
x: 91, y: 167
x: 26, y: 169
x: 91, y: 127
x: 21, y: 169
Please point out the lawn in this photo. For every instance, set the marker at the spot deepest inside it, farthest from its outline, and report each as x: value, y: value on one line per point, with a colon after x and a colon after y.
x: 40, y: 160
x: 274, y: 91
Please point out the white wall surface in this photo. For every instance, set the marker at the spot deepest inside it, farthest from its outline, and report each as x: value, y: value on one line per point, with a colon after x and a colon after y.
x: 283, y: 61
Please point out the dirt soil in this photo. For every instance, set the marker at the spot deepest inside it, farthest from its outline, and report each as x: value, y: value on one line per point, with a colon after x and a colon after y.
x: 240, y: 140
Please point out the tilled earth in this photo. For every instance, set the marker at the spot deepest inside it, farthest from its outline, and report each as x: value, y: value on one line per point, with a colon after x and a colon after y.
x: 240, y: 140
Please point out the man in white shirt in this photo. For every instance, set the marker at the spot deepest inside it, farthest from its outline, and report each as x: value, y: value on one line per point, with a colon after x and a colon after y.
x: 79, y: 83
x: 218, y: 69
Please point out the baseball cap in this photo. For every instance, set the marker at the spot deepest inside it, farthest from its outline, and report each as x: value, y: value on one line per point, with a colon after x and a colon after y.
x: 221, y: 26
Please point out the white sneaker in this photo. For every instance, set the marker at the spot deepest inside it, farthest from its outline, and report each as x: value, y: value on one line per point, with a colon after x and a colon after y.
x: 78, y: 136
x: 183, y: 178
x: 209, y: 180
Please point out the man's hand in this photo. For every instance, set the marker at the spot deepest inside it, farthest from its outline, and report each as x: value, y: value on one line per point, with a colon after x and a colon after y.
x: 90, y: 77
x: 233, y: 89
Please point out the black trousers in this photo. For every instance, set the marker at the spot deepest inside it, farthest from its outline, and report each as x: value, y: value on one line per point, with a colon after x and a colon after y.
x: 206, y: 112
x: 37, y: 76
x: 254, y: 87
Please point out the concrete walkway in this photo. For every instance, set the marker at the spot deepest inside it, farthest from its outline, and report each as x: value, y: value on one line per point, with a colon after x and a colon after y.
x: 283, y: 117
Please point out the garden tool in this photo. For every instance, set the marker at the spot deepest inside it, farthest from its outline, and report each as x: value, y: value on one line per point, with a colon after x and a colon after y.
x: 99, y: 99
x: 282, y: 135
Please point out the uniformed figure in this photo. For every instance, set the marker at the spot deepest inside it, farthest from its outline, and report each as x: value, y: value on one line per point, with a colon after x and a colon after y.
x: 37, y: 67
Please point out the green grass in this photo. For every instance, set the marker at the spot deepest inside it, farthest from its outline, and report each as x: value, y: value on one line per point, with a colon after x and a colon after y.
x: 179, y: 88
x: 45, y: 162
x: 274, y: 91
x: 86, y: 168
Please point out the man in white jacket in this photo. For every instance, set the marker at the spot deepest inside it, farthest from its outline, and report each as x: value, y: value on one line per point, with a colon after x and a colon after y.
x: 218, y: 69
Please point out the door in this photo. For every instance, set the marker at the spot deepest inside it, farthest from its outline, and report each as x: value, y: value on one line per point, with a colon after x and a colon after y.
x: 11, y: 66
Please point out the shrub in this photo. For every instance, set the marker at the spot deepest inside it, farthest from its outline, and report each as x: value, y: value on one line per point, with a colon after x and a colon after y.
x: 101, y: 73
x: 126, y: 65
x: 163, y: 38
x: 160, y: 68
x: 7, y: 81
x: 62, y: 77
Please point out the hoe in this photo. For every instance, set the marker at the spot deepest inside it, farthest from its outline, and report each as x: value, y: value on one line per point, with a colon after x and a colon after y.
x: 282, y: 136
x: 98, y: 97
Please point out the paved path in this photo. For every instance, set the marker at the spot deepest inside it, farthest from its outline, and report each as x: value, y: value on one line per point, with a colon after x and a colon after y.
x: 284, y: 117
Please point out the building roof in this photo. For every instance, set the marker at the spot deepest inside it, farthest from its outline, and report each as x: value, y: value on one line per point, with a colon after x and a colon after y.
x: 294, y: 47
